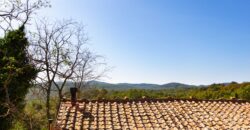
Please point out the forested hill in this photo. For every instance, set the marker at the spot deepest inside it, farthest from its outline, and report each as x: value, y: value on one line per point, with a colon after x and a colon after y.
x: 126, y: 86
x: 214, y: 91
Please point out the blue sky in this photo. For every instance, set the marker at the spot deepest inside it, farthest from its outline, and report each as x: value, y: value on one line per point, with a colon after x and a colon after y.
x: 161, y: 41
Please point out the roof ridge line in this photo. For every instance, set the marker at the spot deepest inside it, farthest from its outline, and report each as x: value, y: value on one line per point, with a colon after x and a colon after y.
x: 160, y: 100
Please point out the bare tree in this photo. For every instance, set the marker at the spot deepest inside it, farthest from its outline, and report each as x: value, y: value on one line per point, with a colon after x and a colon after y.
x: 86, y: 70
x: 15, y: 13
x: 60, y: 51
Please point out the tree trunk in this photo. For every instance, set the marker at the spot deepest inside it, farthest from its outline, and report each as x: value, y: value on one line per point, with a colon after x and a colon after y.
x: 48, y: 104
x: 60, y: 95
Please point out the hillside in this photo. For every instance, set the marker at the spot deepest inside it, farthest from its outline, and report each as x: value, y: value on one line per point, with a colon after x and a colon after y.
x: 126, y: 86
x: 214, y: 91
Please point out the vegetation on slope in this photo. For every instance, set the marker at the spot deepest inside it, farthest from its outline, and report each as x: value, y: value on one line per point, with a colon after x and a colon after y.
x: 214, y: 91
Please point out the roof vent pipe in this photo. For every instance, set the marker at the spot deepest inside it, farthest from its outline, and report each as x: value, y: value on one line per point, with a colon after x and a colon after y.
x: 73, y: 96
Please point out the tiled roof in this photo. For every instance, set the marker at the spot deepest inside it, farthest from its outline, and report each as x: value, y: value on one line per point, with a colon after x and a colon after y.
x: 154, y: 114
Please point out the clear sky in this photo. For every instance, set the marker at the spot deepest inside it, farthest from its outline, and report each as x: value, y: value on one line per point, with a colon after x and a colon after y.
x: 161, y: 41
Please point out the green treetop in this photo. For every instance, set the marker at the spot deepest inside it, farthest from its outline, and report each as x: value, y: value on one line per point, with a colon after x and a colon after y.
x: 16, y: 74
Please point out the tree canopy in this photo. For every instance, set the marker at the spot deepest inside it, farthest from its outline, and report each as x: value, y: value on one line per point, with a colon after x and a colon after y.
x: 16, y: 74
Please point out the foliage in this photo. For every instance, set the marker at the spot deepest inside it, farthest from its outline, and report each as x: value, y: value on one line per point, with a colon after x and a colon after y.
x: 16, y: 74
x: 35, y: 114
x: 18, y: 125
x: 214, y: 91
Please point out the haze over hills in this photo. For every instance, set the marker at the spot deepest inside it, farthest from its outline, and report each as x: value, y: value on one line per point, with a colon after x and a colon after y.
x: 125, y: 86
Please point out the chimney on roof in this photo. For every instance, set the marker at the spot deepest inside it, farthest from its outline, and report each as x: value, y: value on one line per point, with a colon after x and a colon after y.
x: 73, y: 96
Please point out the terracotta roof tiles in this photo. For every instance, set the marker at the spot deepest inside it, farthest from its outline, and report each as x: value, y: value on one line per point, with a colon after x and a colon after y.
x: 153, y: 114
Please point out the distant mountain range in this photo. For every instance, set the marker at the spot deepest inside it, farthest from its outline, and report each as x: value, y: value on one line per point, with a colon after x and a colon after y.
x: 124, y: 86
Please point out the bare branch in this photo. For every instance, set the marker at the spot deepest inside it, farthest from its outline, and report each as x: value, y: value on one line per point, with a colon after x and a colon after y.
x: 15, y: 13
x: 60, y: 51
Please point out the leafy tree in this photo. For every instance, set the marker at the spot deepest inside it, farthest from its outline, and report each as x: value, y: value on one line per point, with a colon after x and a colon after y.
x: 245, y: 92
x: 16, y: 74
